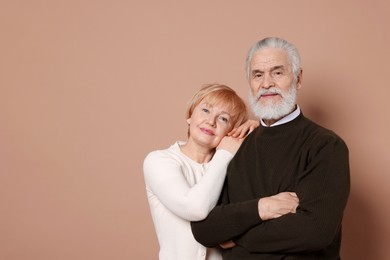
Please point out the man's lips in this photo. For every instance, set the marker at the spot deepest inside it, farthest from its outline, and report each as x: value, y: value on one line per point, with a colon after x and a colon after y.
x: 207, y: 131
x: 268, y: 95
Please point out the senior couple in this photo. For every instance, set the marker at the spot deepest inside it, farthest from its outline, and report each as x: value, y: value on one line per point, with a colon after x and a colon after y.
x: 273, y: 188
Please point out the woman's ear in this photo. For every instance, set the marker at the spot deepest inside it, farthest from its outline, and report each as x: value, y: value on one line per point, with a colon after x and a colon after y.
x: 299, y: 79
x: 188, y: 120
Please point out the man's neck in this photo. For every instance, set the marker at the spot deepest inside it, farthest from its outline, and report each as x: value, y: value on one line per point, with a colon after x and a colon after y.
x: 272, y: 121
x: 269, y: 122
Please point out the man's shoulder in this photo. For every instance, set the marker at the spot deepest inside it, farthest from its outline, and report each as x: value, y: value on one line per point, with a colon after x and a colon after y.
x: 320, y: 133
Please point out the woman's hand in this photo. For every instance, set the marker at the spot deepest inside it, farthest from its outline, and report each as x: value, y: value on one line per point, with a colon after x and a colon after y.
x: 244, y: 129
x: 230, y: 144
x: 234, y: 138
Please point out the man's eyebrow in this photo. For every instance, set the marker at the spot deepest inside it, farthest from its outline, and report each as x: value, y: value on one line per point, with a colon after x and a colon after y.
x: 272, y: 69
x: 277, y: 67
x: 256, y: 71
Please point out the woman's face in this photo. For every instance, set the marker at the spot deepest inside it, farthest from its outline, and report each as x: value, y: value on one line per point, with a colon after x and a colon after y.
x: 209, y: 124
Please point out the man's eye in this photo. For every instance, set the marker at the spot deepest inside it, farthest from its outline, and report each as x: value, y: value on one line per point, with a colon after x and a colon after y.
x: 205, y: 110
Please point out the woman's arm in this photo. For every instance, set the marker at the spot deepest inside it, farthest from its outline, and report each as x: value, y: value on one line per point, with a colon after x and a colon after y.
x: 165, y: 177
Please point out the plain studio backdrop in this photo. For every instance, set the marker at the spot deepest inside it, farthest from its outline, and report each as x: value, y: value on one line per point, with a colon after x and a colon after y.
x: 88, y: 88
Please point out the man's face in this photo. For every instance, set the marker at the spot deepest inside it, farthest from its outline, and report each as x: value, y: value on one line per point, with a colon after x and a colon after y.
x: 273, y: 88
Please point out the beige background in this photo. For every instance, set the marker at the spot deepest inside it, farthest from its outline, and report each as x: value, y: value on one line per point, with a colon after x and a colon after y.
x: 87, y: 88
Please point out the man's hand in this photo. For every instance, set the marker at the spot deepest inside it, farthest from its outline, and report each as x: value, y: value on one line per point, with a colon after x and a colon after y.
x: 278, y: 205
x: 228, y: 244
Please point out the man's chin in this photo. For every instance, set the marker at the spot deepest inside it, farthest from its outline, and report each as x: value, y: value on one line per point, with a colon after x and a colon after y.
x: 271, y: 112
x: 269, y: 100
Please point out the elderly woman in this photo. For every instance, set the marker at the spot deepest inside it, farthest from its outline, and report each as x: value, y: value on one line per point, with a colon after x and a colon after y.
x: 183, y: 182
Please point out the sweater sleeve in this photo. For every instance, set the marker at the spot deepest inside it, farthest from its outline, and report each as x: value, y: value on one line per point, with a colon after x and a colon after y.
x: 165, y: 178
x: 323, y: 190
x: 225, y: 222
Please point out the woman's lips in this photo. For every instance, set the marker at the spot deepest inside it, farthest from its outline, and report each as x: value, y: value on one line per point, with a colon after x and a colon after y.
x: 207, y: 131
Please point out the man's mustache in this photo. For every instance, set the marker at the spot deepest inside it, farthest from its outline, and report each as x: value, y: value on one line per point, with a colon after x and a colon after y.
x: 268, y: 91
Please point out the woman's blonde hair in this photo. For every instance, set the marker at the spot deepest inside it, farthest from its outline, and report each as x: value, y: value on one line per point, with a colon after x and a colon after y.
x: 217, y: 94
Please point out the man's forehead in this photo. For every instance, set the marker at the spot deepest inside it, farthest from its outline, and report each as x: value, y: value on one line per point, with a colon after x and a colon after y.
x: 269, y: 58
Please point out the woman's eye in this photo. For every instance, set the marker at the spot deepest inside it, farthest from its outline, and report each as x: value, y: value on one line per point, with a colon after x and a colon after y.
x: 205, y: 110
x: 224, y: 119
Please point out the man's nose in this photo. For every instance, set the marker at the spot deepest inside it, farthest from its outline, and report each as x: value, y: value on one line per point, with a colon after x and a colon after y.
x: 268, y: 81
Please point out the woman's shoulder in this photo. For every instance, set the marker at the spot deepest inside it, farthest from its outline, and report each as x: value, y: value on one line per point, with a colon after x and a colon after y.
x: 158, y: 160
x: 163, y: 154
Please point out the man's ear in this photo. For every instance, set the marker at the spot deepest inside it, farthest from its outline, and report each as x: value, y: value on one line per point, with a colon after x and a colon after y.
x: 299, y: 79
x: 188, y: 120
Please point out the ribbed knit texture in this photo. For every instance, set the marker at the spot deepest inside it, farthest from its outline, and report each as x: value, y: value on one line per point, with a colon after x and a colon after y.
x: 298, y: 156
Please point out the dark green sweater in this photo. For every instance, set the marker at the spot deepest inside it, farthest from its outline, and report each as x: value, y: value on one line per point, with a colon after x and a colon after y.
x: 298, y: 156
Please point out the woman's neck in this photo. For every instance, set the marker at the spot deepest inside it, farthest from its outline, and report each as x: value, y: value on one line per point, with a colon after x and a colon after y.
x: 197, y: 153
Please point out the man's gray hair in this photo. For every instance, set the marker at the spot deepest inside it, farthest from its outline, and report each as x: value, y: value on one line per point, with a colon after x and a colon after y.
x: 274, y: 42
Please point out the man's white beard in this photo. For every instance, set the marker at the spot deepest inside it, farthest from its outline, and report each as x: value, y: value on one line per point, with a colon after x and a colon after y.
x: 273, y: 110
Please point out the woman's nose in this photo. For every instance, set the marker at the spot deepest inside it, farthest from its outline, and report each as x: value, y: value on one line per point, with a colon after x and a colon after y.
x: 212, y: 121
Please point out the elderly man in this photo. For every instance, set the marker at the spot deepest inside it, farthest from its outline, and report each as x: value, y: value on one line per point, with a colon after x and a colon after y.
x: 287, y: 152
